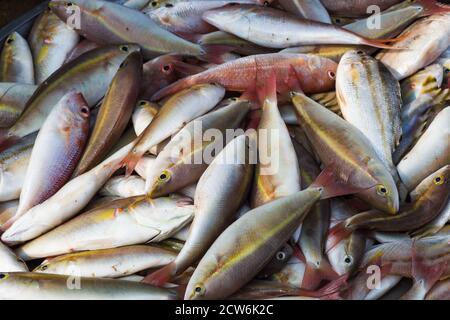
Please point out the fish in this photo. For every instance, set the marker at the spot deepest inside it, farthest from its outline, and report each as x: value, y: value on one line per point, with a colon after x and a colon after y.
x: 134, y: 4
x: 51, y: 41
x: 243, y: 249
x: 428, y: 80
x: 427, y: 201
x: 81, y: 48
x: 124, y: 222
x: 107, y: 263
x: 16, y: 61
x: 123, y: 187
x: 430, y: 153
x: 355, y: 8
x: 9, y: 262
x: 251, y: 23
x: 278, y: 262
x: 65, y: 203
x: 28, y: 286
x: 421, y: 43
x: 314, y: 74
x: 13, y: 99
x: 114, y: 114
x: 110, y: 23
x: 436, y: 225
x: 7, y: 210
x: 370, y: 99
x: 194, y: 102
x: 359, y: 165
x: 143, y: 115
x: 13, y: 167
x: 89, y: 74
x: 277, y: 173
x: 56, y: 151
x: 186, y: 157
x: 440, y: 291
x: 311, y: 10
x: 227, y: 180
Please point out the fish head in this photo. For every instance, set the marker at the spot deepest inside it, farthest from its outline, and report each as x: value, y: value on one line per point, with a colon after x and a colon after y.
x: 53, y: 266
x: 170, y: 180
x: 15, y: 285
x: 201, y: 286
x: 66, y: 10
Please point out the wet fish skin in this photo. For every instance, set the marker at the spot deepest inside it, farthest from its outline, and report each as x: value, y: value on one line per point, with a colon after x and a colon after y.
x: 355, y: 8
x: 9, y: 262
x: 57, y: 149
x: 370, y: 99
x: 243, y: 249
x: 89, y: 74
x: 28, y: 286
x: 16, y: 62
x: 311, y: 10
x: 440, y: 291
x: 124, y: 187
x: 120, y: 223
x: 359, y: 165
x: 66, y: 203
x: 315, y: 74
x: 143, y: 115
x: 13, y: 98
x: 81, y: 48
x: 430, y: 153
x: 13, y: 167
x: 51, y: 41
x: 114, y: 114
x: 107, y: 263
x: 7, y: 210
x: 110, y: 23
x: 435, y: 225
x: 183, y: 161
x: 424, y: 41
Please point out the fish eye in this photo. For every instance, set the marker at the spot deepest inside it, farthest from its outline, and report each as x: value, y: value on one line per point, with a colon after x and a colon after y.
x: 142, y: 103
x: 266, y: 3
x: 124, y: 48
x: 164, y: 176
x: 447, y: 71
x: 360, y: 52
x: 84, y: 111
x: 381, y: 190
x: 439, y: 180
x: 3, y: 276
x: 166, y: 68
x: 337, y: 20
x: 43, y: 268
x: 234, y: 99
x: 69, y: 4
x: 154, y: 3
x: 348, y: 259
x: 10, y: 40
x: 332, y: 75
x: 199, y: 290
x: 281, y: 256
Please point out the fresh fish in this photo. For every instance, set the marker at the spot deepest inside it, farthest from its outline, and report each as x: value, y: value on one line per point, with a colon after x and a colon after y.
x: 440, y: 291
x: 292, y: 274
x: 13, y: 168
x: 277, y: 263
x: 421, y: 43
x: 66, y: 203
x: 110, y: 23
x: 427, y: 201
x: 134, y: 4
x: 51, y: 41
x: 13, y: 98
x: 107, y: 263
x: 81, y: 48
x: 7, y: 210
x: 124, y: 187
x: 9, y: 262
x: 29, y: 286
x: 16, y: 62
x: 436, y: 225
x: 89, y: 74
x: 310, y: 9
x: 356, y: 8
x: 243, y: 249
x: 430, y: 153
x: 114, y: 114
x: 57, y: 150
x: 341, y: 145
x: 315, y: 74
x: 426, y: 81
x: 370, y: 99
x: 184, y: 160
x: 173, y: 115
x: 273, y: 28
x: 277, y: 173
x: 143, y: 115
x: 123, y: 222
x: 220, y: 192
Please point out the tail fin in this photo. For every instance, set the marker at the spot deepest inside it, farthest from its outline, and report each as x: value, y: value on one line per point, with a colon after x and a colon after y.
x: 314, y: 275
x: 161, y: 276
x: 433, y: 7
x: 7, y: 139
x: 216, y: 54
x: 172, y: 89
x: 130, y: 162
x: 266, y: 87
x: 336, y: 234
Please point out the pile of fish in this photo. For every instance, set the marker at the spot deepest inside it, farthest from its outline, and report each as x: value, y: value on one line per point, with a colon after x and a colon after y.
x: 333, y: 184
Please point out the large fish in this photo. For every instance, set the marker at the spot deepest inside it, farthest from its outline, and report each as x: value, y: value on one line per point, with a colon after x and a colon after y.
x: 120, y: 223
x: 30, y: 286
x: 311, y: 9
x: 51, y: 41
x: 58, y: 147
x: 220, y: 192
x: 90, y: 74
x: 110, y: 23
x: 274, y: 28
x: 341, y: 145
x: 13, y: 99
x: 16, y: 62
x: 315, y: 74
x: 114, y: 114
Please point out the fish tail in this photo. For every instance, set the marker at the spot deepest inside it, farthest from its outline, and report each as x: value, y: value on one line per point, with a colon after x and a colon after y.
x: 336, y: 234
x: 161, y: 276
x: 384, y: 43
x: 171, y: 89
x: 130, y: 162
x: 215, y: 53
x: 7, y: 139
x: 314, y: 275
x: 432, y: 7
x: 266, y: 86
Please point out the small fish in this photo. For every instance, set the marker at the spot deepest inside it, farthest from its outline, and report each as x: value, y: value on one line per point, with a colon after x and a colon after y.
x: 143, y: 115
x: 13, y: 99
x: 16, y: 62
x: 123, y: 187
x: 81, y: 48
x: 9, y: 262
x: 311, y: 9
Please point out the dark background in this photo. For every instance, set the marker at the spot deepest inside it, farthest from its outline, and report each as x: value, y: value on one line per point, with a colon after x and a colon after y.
x: 12, y: 9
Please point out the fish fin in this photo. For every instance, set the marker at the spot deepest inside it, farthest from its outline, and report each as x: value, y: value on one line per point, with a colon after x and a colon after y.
x: 186, y: 69
x: 192, y: 37
x: 171, y: 89
x: 253, y: 119
x: 292, y: 82
x: 299, y: 254
x: 332, y: 185
x: 161, y: 276
x: 433, y: 7
x: 332, y: 291
x: 313, y: 276
x: 6, y: 139
x: 336, y: 234
x: 383, y: 43
x: 266, y: 87
x: 130, y: 162
x: 215, y: 53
